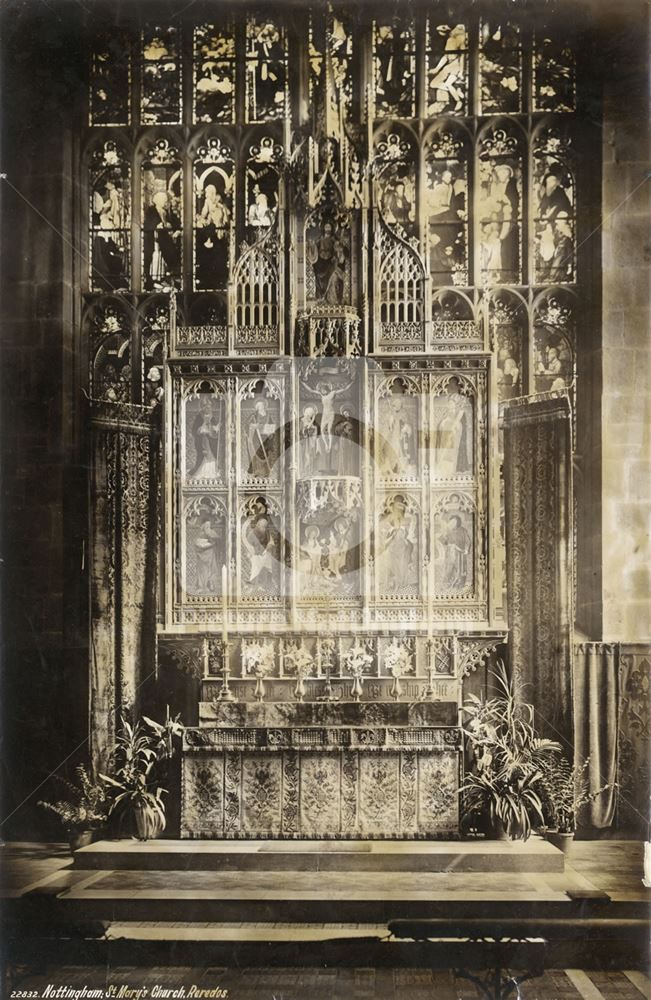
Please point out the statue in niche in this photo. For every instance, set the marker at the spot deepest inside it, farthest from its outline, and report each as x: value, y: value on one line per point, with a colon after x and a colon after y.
x: 398, y: 448
x: 453, y: 548
x: 328, y: 257
x: 261, y: 546
x: 206, y: 553
x: 206, y: 432
x: 452, y: 439
x: 399, y: 549
x: 261, y: 444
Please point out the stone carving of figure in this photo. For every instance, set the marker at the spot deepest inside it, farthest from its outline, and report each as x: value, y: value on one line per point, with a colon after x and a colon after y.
x: 456, y: 544
x: 310, y: 441
x: 345, y: 434
x: 397, y: 456
x: 205, y: 432
x: 260, y: 445
x: 260, y: 547
x: 339, y: 546
x: 452, y: 437
x: 312, y: 551
x: 327, y: 393
x: 399, y: 548
x: 205, y: 551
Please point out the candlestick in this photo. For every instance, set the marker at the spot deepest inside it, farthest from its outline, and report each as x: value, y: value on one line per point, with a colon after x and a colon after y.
x: 224, y: 605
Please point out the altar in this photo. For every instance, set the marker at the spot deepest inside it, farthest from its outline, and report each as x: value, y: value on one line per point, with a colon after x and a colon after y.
x: 328, y: 520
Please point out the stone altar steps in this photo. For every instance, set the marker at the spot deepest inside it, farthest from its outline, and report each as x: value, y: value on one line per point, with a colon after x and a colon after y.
x: 363, y: 856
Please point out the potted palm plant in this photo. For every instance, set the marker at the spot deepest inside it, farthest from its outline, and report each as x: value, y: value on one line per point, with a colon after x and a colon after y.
x: 137, y: 797
x: 509, y: 761
x: 83, y: 811
x: 564, y: 791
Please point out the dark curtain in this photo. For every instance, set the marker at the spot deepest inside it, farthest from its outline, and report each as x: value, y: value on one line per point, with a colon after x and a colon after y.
x: 124, y: 545
x: 538, y: 510
x: 596, y: 726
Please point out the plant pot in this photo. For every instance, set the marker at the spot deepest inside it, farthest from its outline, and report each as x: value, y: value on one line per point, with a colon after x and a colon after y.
x: 495, y: 830
x: 150, y: 823
x: 80, y: 838
x: 561, y: 840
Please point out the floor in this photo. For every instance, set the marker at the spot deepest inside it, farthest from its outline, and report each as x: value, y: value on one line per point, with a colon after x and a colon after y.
x: 265, y: 957
x: 330, y: 984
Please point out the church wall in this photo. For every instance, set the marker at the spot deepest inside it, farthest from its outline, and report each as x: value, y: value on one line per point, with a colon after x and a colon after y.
x: 626, y: 248
x: 44, y: 655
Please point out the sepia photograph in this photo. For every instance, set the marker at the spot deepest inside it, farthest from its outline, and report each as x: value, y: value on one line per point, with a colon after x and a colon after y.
x: 325, y: 500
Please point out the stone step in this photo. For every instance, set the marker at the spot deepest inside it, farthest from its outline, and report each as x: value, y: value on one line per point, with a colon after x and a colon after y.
x: 533, y: 856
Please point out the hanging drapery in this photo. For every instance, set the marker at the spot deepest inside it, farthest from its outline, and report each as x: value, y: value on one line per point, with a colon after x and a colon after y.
x: 125, y: 485
x: 538, y: 508
x: 596, y: 726
x: 634, y: 742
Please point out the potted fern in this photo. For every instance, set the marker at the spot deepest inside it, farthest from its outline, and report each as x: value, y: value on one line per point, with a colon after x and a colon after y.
x: 137, y: 797
x: 564, y: 790
x: 509, y: 761
x: 83, y: 811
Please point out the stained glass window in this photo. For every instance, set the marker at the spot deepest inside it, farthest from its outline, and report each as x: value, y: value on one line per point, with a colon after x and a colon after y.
x: 110, y: 79
x: 161, y: 76
x: 554, y: 74
x: 214, y: 180
x: 446, y: 171
x: 110, y: 218
x: 447, y: 68
x: 262, y: 179
x: 500, y: 206
x: 508, y: 324
x: 111, y: 367
x: 500, y: 67
x: 214, y: 73
x: 266, y: 70
x: 162, y: 217
x: 397, y: 183
x: 554, y: 339
x: 554, y: 208
x: 394, y: 68
x: 153, y: 331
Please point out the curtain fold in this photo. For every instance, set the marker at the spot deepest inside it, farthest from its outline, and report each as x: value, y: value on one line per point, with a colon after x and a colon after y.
x: 539, y: 550
x: 596, y: 726
x: 124, y: 545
